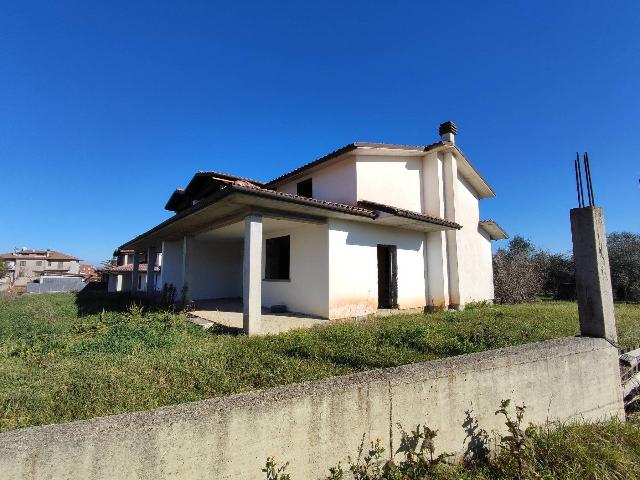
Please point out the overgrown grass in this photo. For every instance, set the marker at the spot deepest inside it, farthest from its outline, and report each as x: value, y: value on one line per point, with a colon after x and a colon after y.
x: 62, y: 358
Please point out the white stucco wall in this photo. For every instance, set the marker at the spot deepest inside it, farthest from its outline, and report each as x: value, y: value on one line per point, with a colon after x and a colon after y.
x: 336, y: 182
x: 307, y: 291
x: 172, y: 264
x: 353, y: 267
x: 475, y: 269
x: 395, y: 181
x: 216, y: 269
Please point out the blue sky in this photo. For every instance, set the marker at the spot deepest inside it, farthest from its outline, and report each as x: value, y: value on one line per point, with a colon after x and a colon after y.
x: 105, y: 109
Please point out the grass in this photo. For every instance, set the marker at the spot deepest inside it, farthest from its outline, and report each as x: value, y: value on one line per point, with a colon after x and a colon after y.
x: 62, y: 358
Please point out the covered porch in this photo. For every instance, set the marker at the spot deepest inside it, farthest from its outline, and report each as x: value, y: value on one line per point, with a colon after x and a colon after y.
x: 228, y: 312
x: 269, y: 249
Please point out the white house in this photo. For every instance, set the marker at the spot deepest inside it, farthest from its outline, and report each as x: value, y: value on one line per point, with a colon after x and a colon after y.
x: 369, y: 226
x: 119, y: 275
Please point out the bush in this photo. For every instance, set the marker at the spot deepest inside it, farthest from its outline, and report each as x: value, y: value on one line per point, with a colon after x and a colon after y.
x: 517, y: 277
x: 580, y: 451
x: 624, y: 261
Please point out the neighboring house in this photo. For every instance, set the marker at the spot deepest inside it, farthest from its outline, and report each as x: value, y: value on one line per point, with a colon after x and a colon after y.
x: 27, y: 265
x: 120, y: 273
x: 89, y: 272
x: 369, y: 226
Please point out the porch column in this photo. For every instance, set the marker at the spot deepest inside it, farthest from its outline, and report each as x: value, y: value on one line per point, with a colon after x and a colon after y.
x: 118, y: 283
x: 252, y: 275
x: 187, y: 253
x: 161, y: 279
x: 134, y: 272
x: 435, y: 249
x: 151, y: 265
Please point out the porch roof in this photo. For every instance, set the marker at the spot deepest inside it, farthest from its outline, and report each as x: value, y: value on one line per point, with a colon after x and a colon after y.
x: 229, y: 204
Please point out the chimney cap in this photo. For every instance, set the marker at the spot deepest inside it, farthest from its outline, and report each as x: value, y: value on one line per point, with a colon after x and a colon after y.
x: 448, y: 127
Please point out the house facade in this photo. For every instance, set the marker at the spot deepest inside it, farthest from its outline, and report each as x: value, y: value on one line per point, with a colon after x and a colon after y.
x: 369, y: 226
x: 120, y: 274
x: 27, y: 265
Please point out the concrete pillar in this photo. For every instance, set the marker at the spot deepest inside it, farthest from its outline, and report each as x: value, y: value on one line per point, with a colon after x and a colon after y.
x: 134, y: 272
x: 161, y: 278
x: 252, y: 275
x: 437, y: 281
x: 593, y: 280
x: 435, y: 253
x: 187, y: 253
x: 151, y: 265
x: 450, y: 177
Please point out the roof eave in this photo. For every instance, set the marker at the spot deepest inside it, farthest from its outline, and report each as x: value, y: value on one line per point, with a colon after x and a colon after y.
x: 495, y: 231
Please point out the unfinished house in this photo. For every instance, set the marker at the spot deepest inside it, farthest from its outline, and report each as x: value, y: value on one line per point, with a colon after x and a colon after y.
x: 120, y: 277
x: 367, y: 227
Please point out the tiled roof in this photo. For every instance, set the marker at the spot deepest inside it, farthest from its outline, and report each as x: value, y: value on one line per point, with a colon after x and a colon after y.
x: 37, y: 255
x: 354, y: 209
x: 401, y: 212
x: 227, y: 176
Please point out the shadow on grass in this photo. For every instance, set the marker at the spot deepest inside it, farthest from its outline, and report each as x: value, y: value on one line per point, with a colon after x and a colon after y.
x: 93, y: 301
x: 218, y: 329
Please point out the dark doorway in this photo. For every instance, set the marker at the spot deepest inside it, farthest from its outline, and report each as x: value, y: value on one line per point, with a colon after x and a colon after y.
x: 387, y: 276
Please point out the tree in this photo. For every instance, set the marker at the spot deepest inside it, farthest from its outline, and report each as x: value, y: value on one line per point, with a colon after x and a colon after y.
x: 517, y: 277
x: 4, y: 269
x: 558, y: 274
x: 624, y: 261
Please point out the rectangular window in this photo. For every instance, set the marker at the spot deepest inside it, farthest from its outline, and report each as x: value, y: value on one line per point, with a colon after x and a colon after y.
x: 23, y: 263
x: 60, y: 264
x: 39, y: 263
x: 139, y: 282
x: 305, y: 188
x: 277, y: 258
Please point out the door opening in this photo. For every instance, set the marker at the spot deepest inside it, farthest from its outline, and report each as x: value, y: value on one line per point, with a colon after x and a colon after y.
x: 387, y: 276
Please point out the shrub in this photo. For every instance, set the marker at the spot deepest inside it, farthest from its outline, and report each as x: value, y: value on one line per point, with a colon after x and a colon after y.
x: 517, y: 278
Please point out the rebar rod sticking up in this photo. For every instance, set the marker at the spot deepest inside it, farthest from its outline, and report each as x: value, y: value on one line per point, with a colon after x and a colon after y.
x: 587, y: 172
x: 576, y: 165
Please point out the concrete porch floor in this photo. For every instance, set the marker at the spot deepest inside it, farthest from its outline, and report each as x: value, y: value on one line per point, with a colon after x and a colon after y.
x: 228, y: 312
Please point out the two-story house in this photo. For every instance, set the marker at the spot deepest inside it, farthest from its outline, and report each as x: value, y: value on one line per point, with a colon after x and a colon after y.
x: 26, y: 265
x: 369, y: 226
x: 120, y: 274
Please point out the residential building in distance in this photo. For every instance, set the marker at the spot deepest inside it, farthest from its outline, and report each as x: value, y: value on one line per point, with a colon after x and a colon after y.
x: 367, y: 227
x: 89, y: 272
x: 120, y: 273
x: 27, y: 265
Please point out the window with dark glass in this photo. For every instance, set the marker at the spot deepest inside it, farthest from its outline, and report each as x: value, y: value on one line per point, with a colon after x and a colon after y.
x: 305, y: 188
x: 277, y: 258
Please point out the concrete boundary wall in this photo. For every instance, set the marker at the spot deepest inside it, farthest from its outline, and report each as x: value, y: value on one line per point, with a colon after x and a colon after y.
x: 315, y: 425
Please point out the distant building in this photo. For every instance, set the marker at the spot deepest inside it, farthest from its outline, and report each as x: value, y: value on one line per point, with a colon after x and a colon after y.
x: 119, y: 274
x: 27, y: 265
x: 89, y: 272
